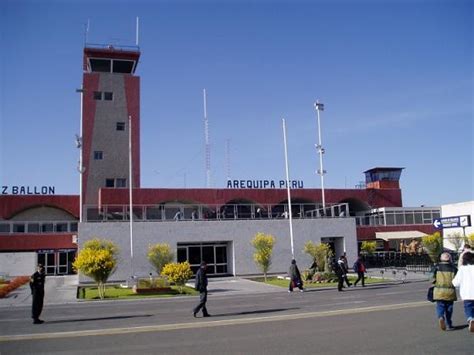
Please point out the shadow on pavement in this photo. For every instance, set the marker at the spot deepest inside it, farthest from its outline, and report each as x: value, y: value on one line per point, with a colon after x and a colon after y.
x: 262, y: 311
x: 95, y: 319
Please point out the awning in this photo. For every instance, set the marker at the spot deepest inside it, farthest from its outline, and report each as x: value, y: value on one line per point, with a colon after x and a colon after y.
x: 408, y: 235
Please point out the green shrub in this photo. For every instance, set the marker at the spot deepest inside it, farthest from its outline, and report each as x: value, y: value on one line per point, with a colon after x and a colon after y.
x: 178, y: 273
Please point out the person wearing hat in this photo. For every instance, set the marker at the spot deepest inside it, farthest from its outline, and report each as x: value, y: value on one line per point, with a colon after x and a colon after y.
x: 37, y: 292
x: 201, y: 286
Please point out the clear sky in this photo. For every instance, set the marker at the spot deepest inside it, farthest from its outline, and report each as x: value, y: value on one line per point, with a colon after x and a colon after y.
x: 396, y: 78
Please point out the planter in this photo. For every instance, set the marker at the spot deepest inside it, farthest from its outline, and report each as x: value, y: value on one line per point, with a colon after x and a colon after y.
x: 151, y: 290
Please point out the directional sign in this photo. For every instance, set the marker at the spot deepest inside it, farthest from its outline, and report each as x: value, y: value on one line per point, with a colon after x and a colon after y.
x: 452, y: 222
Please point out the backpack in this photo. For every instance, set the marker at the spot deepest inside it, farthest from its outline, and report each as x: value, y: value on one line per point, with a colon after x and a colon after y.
x: 356, y: 267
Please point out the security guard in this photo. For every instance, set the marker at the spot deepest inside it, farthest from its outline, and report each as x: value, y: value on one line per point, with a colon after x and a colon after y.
x: 37, y: 291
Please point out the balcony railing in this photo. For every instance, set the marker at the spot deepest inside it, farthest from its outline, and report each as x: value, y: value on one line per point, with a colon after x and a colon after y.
x: 184, y: 212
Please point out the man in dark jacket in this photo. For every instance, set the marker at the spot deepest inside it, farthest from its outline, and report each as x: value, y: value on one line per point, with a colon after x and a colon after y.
x: 37, y: 291
x: 201, y: 286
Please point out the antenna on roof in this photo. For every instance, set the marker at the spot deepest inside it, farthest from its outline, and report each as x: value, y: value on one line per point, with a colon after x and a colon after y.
x: 136, y: 32
x: 86, y: 32
x: 207, y: 143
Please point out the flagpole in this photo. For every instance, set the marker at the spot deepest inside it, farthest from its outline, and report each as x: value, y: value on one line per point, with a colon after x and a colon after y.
x: 130, y: 188
x: 288, y: 190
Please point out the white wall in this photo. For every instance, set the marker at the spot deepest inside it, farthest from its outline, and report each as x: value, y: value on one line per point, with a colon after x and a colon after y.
x: 453, y: 210
x: 17, y: 264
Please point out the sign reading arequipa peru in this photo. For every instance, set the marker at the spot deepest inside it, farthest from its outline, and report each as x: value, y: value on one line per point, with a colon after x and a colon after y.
x: 264, y: 184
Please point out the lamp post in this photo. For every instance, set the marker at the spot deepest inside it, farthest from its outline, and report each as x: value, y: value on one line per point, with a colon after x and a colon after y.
x: 80, y: 167
x: 320, y: 107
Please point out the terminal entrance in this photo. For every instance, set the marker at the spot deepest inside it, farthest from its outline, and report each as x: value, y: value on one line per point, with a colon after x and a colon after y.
x: 213, y: 253
x: 57, y: 262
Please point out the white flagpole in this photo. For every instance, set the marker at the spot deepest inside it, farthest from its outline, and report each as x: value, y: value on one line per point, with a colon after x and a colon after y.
x: 288, y: 190
x: 130, y: 188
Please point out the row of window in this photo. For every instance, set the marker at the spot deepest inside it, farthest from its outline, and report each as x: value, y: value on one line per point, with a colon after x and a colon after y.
x: 389, y: 218
x: 117, y: 182
x: 38, y: 227
x: 103, y: 95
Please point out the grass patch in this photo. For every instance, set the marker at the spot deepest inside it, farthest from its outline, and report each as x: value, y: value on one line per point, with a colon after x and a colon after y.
x: 117, y: 292
x: 284, y: 283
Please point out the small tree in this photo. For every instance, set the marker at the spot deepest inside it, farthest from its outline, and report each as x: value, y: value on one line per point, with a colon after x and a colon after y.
x: 178, y: 273
x: 320, y: 253
x: 263, y: 244
x: 456, y: 240
x: 434, y: 245
x: 368, y: 247
x: 98, y: 261
x: 470, y: 240
x: 159, y: 255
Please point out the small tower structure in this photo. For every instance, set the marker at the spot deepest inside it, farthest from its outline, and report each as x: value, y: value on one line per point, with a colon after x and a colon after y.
x: 383, y: 178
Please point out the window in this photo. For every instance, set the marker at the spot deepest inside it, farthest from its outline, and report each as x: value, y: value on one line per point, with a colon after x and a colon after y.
x: 108, y: 96
x: 101, y: 65
x: 123, y: 66
x: 33, y: 227
x: 61, y: 227
x: 109, y: 182
x: 19, y: 228
x: 47, y: 227
x: 116, y: 182
x: 120, y: 126
x: 121, y: 183
x: 97, y: 95
x: 98, y: 155
x: 4, y: 228
x: 73, y: 227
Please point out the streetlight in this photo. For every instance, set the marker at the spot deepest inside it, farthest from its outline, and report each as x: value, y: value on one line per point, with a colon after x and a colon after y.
x: 320, y: 107
x: 80, y: 166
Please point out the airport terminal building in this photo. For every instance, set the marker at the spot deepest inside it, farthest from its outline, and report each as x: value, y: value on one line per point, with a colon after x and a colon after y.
x: 212, y: 224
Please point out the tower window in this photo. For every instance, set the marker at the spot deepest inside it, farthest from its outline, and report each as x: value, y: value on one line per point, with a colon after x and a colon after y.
x: 98, y: 155
x: 97, y: 95
x: 109, y: 182
x: 123, y: 66
x: 120, y: 126
x: 108, y: 96
x: 100, y: 65
x: 121, y: 183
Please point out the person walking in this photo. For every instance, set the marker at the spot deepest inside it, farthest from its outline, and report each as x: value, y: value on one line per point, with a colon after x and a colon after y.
x: 444, y: 292
x: 359, y: 268
x: 37, y: 291
x: 464, y: 279
x: 339, y: 274
x: 295, y: 277
x: 342, y: 262
x: 466, y: 249
x: 201, y: 286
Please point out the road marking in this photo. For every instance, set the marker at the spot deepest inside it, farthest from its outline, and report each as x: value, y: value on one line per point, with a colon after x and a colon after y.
x: 208, y: 324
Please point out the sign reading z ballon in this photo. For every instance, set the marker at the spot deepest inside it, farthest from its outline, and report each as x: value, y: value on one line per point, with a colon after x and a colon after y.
x: 27, y: 190
x: 263, y: 184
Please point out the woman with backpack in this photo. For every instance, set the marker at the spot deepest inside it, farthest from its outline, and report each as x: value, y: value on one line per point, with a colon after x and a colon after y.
x: 359, y: 269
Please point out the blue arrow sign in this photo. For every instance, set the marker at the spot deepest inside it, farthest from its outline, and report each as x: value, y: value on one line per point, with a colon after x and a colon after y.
x: 452, y: 222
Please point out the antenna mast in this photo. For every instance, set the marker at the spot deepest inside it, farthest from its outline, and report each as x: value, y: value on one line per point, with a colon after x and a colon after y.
x: 136, y: 33
x: 227, y: 158
x: 207, y: 143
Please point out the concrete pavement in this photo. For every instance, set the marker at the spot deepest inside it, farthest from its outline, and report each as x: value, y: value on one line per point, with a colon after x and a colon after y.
x: 63, y: 289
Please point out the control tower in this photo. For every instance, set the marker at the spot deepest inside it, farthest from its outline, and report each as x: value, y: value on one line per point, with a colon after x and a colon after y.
x: 383, y: 178
x: 110, y: 97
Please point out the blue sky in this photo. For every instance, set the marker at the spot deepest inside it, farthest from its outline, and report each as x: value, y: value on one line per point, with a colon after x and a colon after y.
x: 396, y: 78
